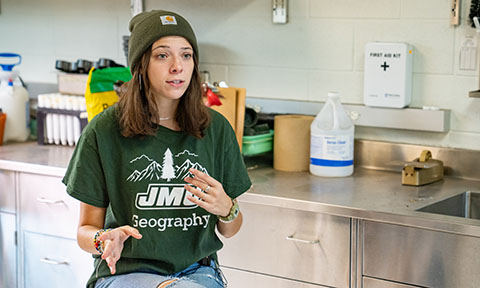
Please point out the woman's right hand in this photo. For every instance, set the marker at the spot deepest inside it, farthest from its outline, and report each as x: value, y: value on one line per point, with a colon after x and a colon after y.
x: 113, y: 243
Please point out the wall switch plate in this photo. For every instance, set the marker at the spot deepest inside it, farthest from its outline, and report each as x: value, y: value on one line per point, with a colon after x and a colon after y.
x: 280, y: 8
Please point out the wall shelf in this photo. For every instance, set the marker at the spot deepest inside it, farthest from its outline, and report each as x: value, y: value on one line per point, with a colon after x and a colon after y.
x: 417, y: 119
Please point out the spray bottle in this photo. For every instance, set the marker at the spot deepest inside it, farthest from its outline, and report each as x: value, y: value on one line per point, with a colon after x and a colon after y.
x: 14, y: 100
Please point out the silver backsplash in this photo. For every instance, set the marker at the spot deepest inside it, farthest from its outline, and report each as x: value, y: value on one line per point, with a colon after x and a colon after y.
x: 389, y: 156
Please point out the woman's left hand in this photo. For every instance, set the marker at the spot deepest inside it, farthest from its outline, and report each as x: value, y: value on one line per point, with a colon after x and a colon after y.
x: 211, y: 197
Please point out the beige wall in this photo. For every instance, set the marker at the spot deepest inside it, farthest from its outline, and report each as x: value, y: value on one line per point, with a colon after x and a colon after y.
x: 319, y: 50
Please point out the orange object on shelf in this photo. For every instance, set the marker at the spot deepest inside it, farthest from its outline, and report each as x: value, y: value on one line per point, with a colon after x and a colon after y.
x: 3, y: 119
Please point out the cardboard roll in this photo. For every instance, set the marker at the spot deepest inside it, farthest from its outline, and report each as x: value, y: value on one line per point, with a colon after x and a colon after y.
x: 291, y: 143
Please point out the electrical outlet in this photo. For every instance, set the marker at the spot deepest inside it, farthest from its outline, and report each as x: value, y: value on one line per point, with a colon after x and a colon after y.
x: 280, y: 8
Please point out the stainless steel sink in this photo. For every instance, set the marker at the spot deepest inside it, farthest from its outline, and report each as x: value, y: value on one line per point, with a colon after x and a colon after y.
x: 466, y: 205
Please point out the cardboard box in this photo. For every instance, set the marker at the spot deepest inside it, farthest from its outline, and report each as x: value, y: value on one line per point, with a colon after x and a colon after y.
x: 73, y: 84
x: 233, y: 108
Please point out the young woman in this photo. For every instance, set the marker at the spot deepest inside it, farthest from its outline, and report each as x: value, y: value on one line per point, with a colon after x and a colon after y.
x: 158, y: 172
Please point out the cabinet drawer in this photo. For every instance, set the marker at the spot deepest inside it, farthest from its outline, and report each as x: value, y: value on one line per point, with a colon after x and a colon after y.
x: 240, y: 279
x: 289, y: 243
x: 377, y: 283
x: 55, y: 262
x: 420, y: 257
x: 7, y: 191
x: 46, y: 207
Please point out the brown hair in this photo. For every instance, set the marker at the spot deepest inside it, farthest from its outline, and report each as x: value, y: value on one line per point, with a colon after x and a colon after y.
x: 137, y: 104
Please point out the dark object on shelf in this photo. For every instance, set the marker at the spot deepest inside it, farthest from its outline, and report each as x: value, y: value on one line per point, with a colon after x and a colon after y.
x: 106, y: 63
x: 63, y: 65
x: 258, y: 123
x: 82, y: 66
x: 474, y: 12
x: 261, y: 129
x: 251, y: 118
x: 267, y: 118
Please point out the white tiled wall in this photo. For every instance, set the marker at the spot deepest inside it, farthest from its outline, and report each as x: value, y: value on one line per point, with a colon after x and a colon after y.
x: 320, y: 49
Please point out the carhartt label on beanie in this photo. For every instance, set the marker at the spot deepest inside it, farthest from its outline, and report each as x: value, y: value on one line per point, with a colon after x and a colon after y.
x: 168, y: 20
x: 148, y: 27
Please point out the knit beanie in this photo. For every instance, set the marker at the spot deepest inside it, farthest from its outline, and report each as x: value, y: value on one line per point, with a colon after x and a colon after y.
x: 148, y: 27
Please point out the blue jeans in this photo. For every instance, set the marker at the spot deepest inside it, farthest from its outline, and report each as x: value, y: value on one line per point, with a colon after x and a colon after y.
x: 194, y: 276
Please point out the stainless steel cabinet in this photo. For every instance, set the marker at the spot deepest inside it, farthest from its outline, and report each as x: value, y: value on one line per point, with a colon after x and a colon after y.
x: 292, y: 244
x: 420, y: 257
x: 8, y: 247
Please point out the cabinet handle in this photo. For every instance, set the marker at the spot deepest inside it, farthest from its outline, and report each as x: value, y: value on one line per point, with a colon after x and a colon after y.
x: 312, y: 242
x: 48, y: 201
x: 53, y: 262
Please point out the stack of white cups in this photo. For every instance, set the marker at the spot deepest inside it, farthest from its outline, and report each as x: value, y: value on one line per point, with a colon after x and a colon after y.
x: 62, y: 129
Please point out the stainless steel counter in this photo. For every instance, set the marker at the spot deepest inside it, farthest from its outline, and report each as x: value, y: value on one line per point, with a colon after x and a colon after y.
x: 367, y: 194
x: 32, y: 158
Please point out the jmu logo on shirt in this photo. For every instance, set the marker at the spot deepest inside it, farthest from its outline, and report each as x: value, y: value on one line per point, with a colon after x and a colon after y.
x: 162, y: 196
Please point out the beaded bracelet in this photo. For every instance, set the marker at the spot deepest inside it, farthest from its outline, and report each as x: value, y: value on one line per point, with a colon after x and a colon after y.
x: 96, y: 242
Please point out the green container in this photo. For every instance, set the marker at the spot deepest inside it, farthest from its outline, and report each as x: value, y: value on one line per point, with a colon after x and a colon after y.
x: 258, y: 144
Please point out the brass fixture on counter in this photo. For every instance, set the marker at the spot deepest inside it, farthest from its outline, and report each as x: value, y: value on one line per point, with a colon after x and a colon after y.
x: 422, y: 170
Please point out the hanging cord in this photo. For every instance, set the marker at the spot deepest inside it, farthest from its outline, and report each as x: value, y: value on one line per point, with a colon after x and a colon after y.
x: 23, y: 83
x: 474, y: 12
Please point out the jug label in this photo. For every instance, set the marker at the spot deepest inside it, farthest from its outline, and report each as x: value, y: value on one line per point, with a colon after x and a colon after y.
x: 331, y: 150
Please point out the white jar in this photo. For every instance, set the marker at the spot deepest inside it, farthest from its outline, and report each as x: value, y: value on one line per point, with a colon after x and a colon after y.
x: 14, y: 101
x: 332, y: 140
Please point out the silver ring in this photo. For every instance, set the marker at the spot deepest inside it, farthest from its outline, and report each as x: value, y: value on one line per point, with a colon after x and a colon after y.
x: 206, y: 189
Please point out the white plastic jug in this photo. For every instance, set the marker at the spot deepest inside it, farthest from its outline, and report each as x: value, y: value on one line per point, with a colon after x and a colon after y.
x: 14, y: 101
x: 332, y: 140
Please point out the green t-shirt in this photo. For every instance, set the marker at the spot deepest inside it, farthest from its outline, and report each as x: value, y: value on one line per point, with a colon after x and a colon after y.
x: 140, y: 182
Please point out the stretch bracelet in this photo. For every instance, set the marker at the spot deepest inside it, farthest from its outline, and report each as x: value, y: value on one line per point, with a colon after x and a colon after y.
x: 96, y: 242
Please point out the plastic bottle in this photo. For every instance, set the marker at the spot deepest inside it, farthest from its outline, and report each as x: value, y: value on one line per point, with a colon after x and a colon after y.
x: 331, y: 140
x: 3, y: 119
x: 14, y: 100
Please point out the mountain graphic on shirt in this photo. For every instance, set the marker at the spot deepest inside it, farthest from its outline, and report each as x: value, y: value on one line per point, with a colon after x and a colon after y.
x: 155, y: 171
x: 152, y: 172
x: 182, y: 170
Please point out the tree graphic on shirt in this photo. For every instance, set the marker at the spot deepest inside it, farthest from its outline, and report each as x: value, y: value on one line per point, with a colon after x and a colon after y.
x: 168, y: 171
